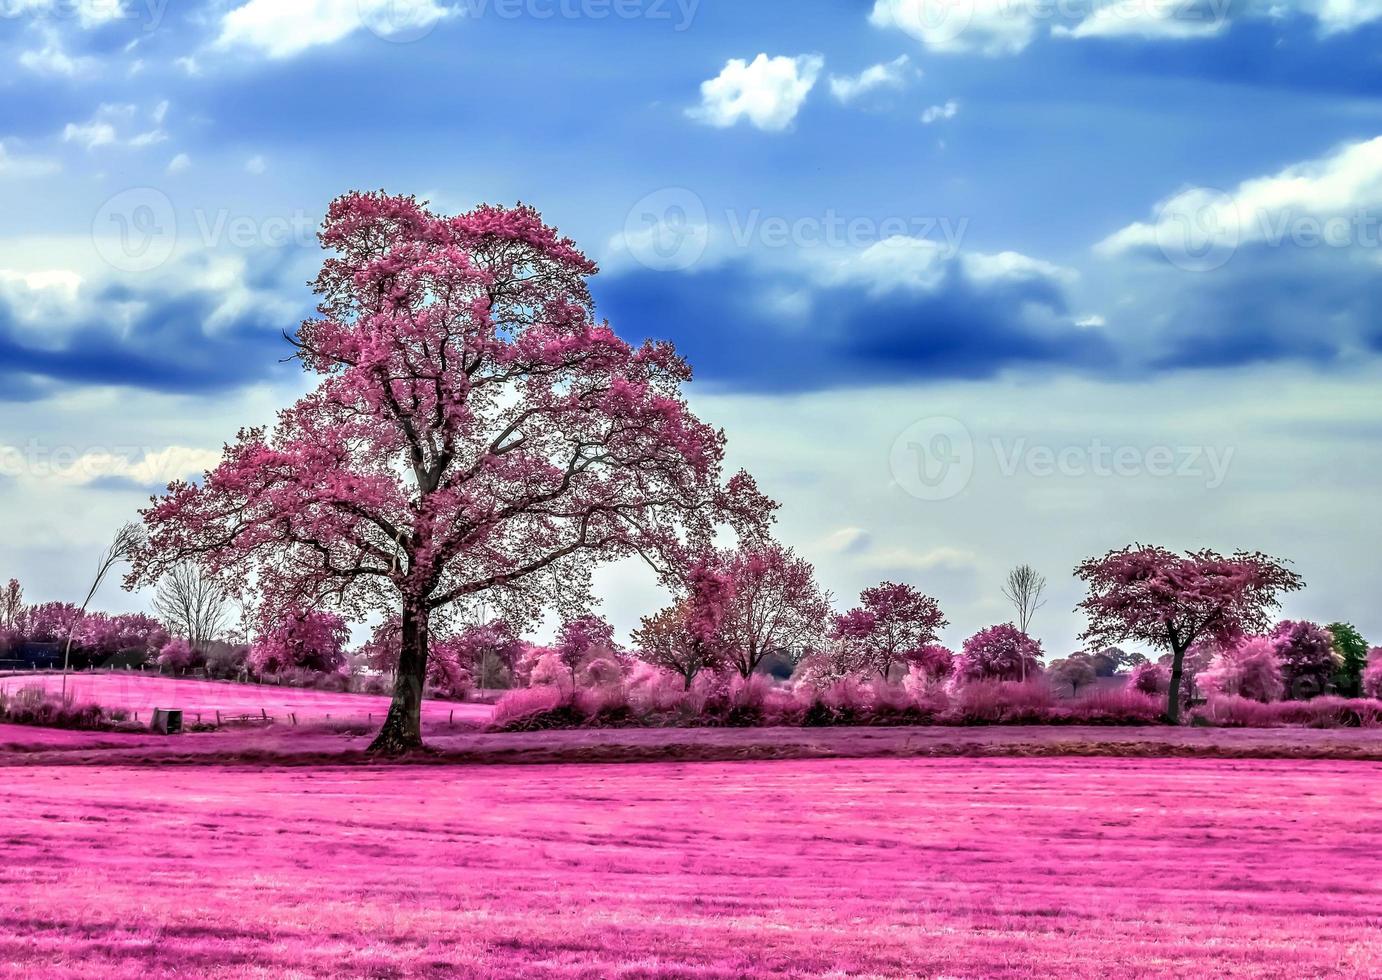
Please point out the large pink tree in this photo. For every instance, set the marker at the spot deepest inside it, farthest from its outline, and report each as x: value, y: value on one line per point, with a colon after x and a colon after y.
x: 476, y: 435
x: 1148, y: 594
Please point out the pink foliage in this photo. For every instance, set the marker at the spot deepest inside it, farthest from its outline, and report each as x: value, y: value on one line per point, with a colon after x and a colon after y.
x: 1307, y: 657
x: 475, y: 430
x: 889, y: 628
x: 1171, y: 601
x: 177, y: 654
x: 1372, y: 676
x: 1149, y: 678
x: 51, y: 622
x: 999, y: 653
x: 773, y: 605
x: 1247, y: 669
x: 302, y: 640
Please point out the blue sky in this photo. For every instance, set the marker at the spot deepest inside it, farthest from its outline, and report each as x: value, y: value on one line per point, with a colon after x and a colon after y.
x: 968, y: 282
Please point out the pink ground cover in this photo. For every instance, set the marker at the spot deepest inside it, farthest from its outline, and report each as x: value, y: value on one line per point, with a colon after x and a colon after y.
x: 143, y: 693
x: 886, y: 867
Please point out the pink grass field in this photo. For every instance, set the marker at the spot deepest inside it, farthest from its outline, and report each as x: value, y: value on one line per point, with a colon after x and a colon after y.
x: 141, y: 693
x: 1053, y: 867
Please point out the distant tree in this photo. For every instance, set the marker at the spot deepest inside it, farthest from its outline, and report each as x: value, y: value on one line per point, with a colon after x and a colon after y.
x: 1170, y: 601
x: 1307, y: 657
x: 12, y: 605
x: 191, y: 603
x: 484, y: 651
x: 776, y: 604
x: 1352, y: 652
x: 666, y: 641
x: 1250, y: 668
x: 1372, y: 675
x: 934, y: 662
x: 580, y: 639
x: 308, y: 640
x: 178, y: 654
x: 102, y: 638
x: 1024, y: 589
x: 1149, y: 678
x: 51, y: 622
x: 890, y: 627
x: 999, y: 653
x: 1078, y: 670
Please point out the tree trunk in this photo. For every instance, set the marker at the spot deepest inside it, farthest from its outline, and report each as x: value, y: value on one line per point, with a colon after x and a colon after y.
x: 402, y: 731
x: 1177, y: 672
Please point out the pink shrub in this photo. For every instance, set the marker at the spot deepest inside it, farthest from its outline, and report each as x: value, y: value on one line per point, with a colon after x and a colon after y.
x: 1322, y: 712
x: 1248, y: 669
x: 177, y: 654
x: 519, y: 708
x: 1372, y: 676
x: 1126, y: 707
x: 996, y: 702
x: 1149, y: 678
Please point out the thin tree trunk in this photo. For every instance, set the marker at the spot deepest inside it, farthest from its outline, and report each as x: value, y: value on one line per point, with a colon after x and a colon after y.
x: 1177, y: 672
x: 402, y: 731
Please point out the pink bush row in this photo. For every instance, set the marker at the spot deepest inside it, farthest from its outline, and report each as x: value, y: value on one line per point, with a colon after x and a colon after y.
x: 653, y: 698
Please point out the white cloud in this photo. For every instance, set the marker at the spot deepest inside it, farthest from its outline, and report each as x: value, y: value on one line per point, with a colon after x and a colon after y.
x: 891, y: 75
x: 1330, y: 196
x: 991, y: 27
x: 179, y: 164
x: 150, y: 468
x: 90, y: 134
x: 16, y: 166
x: 937, y: 113
x: 89, y: 13
x: 768, y: 92
x: 281, y: 29
x: 1013, y: 267
x: 104, y: 128
x: 848, y: 541
x: 51, y: 59
x: 256, y: 165
x: 1093, y: 321
x: 1150, y: 19
x: 1006, y: 27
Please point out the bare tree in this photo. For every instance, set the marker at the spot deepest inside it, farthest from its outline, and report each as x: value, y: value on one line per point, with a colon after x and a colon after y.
x: 11, y: 604
x: 1024, y: 590
x: 126, y: 541
x: 191, y: 604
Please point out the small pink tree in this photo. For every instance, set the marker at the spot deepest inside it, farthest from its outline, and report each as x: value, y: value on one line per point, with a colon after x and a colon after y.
x: 999, y: 653
x: 1372, y: 675
x: 581, y: 639
x: 1248, y: 669
x: 934, y: 662
x: 1149, y: 678
x: 1307, y: 657
x: 688, y: 638
x: 776, y: 605
x: 309, y: 640
x: 51, y: 622
x: 1151, y: 595
x: 888, y: 629
x: 476, y: 434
